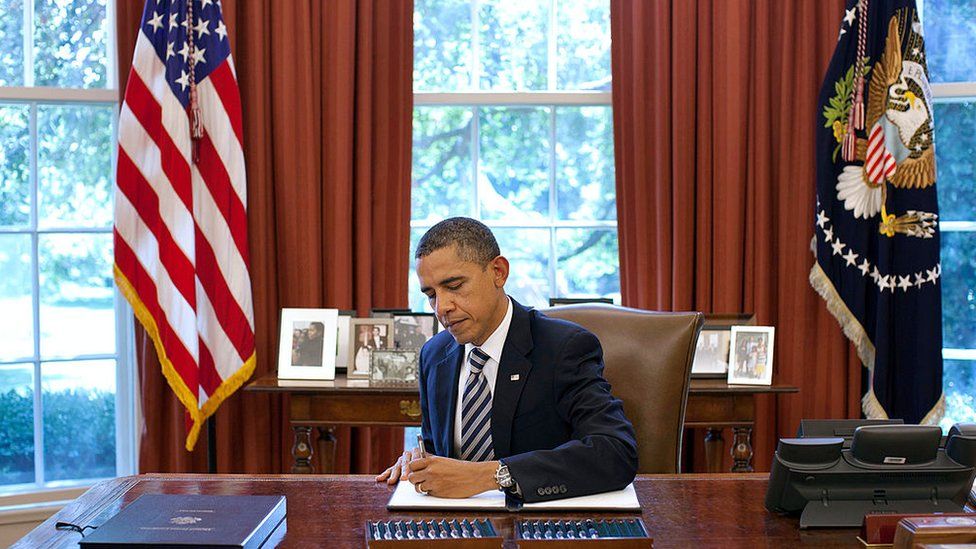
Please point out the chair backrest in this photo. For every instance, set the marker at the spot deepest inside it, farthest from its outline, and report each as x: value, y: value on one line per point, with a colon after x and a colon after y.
x: 647, y: 357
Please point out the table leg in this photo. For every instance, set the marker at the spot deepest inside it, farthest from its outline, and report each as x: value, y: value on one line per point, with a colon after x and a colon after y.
x: 301, y: 450
x: 327, y: 449
x: 742, y: 450
x: 714, y: 446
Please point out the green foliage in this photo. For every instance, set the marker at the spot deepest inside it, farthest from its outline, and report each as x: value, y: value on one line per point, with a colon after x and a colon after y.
x: 14, y: 151
x: 79, y: 435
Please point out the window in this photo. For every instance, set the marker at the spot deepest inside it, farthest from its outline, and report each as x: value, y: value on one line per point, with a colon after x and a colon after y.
x: 65, y: 391
x: 512, y: 125
x: 950, y: 36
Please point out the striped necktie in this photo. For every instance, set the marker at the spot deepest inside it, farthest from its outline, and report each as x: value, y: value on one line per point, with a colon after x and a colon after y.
x: 476, y: 412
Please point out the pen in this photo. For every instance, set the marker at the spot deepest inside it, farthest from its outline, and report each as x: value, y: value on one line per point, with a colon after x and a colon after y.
x: 420, y: 444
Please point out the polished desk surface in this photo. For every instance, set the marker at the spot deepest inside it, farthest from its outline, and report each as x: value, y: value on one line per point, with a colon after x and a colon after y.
x: 724, y: 510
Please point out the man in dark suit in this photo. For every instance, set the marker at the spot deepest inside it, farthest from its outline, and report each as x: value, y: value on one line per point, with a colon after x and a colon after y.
x: 511, y: 399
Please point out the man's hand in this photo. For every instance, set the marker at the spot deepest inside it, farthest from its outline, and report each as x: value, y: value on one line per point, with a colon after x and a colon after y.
x: 451, y: 478
x: 399, y: 470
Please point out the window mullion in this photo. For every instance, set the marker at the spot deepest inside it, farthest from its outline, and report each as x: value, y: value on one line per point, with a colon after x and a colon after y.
x: 28, y: 35
x: 552, y: 50
x: 35, y: 299
x: 553, y: 203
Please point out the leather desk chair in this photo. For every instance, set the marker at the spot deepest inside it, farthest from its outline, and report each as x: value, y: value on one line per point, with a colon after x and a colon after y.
x: 647, y: 357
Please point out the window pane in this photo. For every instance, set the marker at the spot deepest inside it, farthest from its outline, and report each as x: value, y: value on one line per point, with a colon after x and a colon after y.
x: 955, y: 152
x: 79, y: 419
x: 17, y: 317
x: 11, y: 43
x: 442, y: 45
x: 583, y: 42
x: 70, y: 38
x: 442, y: 165
x: 14, y: 164
x: 77, y: 315
x: 528, y: 252
x: 950, y: 39
x: 513, y: 46
x: 418, y: 301
x: 959, y: 290
x: 584, y: 164
x: 588, y: 263
x: 17, y: 427
x: 959, y: 384
x: 74, y: 165
x: 513, y: 172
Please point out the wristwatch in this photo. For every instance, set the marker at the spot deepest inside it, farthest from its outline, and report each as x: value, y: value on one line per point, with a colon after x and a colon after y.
x: 503, y: 478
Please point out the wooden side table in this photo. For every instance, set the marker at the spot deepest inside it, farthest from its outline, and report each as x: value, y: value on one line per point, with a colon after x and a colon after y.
x: 712, y: 404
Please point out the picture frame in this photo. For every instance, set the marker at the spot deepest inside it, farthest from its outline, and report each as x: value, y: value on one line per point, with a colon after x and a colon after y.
x: 712, y: 347
x: 306, y: 340
x: 751, y: 358
x: 365, y: 335
x: 387, y: 313
x: 342, y: 339
x: 411, y: 331
x: 393, y: 366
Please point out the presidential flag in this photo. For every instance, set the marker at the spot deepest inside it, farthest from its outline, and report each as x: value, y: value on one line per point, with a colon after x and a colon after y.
x: 181, y: 256
x: 876, y: 219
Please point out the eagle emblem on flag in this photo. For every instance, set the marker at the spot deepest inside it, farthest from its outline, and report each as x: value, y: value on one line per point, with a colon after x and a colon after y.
x: 876, y: 220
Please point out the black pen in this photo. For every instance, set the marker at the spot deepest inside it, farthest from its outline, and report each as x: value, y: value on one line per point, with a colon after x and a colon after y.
x: 420, y: 444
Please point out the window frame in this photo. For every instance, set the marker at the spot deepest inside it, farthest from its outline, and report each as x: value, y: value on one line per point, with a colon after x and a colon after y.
x: 127, y: 413
x: 552, y: 99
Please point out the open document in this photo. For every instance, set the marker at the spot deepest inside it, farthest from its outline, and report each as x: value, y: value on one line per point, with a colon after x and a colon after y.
x: 407, y: 498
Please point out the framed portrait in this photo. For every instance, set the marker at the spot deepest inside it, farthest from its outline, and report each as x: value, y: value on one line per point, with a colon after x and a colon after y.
x: 751, y: 355
x: 712, y: 348
x: 411, y: 331
x: 342, y: 339
x: 393, y: 366
x: 306, y: 342
x: 365, y: 336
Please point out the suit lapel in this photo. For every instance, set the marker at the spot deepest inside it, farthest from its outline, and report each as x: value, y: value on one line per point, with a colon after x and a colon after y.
x: 445, y: 399
x: 507, y: 392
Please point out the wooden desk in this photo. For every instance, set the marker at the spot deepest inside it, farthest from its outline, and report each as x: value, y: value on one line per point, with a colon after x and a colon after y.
x: 330, y: 511
x: 712, y: 404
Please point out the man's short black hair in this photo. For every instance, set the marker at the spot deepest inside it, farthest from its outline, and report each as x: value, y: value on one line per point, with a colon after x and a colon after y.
x: 474, y: 240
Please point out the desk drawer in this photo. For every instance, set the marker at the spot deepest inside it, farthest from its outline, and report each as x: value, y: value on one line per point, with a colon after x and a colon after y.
x: 355, y: 409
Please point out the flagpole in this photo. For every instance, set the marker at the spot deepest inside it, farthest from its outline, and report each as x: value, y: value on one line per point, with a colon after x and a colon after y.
x: 212, y: 445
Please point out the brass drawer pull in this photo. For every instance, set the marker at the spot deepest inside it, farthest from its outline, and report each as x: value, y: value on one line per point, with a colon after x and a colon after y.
x: 410, y: 408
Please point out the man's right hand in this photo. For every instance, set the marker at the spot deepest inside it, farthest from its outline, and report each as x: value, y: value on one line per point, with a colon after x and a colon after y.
x: 399, y: 470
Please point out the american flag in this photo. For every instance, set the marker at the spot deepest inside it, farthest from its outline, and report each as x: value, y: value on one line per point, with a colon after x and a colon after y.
x: 181, y: 256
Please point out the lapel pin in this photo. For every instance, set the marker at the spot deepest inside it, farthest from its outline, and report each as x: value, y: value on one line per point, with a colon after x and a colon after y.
x: 515, y: 377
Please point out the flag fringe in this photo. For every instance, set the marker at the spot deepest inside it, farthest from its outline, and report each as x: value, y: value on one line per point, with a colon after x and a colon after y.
x: 183, y: 393
x: 870, y: 404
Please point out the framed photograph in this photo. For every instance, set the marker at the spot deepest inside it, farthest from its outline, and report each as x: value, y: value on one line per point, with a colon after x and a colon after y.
x: 307, y: 339
x: 751, y: 355
x: 411, y: 331
x: 365, y: 336
x: 342, y: 339
x: 712, y: 350
x: 394, y: 367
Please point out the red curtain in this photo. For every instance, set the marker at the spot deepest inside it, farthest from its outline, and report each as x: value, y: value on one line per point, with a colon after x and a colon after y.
x: 326, y: 89
x: 714, y: 106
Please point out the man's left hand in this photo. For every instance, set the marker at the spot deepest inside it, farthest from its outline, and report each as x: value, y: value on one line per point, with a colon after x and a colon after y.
x: 452, y: 478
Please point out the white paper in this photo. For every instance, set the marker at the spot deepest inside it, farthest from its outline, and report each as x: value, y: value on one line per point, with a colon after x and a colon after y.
x: 406, y: 497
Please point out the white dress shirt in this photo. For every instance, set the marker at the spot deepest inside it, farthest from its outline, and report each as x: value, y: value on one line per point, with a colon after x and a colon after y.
x: 493, y: 348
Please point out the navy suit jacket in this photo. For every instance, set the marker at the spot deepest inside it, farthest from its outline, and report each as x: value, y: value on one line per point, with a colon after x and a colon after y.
x: 556, y: 426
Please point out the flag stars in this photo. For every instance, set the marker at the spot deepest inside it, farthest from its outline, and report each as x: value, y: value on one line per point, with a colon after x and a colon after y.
x: 875, y: 275
x: 198, y: 55
x: 828, y: 234
x: 169, y: 50
x: 822, y: 219
x: 206, y: 3
x: 156, y: 22
x: 849, y: 15
x: 932, y: 275
x: 904, y: 282
x: 201, y: 28
x: 883, y: 283
x: 183, y: 80
x: 919, y: 279
x: 838, y: 247
x: 850, y: 257
x: 865, y: 267
x: 221, y: 30
x: 174, y: 20
x: 185, y: 52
